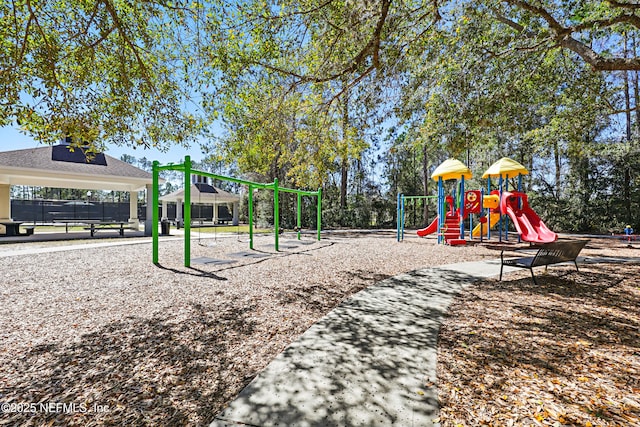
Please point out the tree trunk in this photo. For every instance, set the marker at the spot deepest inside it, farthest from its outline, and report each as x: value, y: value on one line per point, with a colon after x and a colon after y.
x: 626, y: 185
x: 359, y: 177
x: 636, y: 93
x: 344, y: 166
x: 425, y: 177
x: 585, y: 189
x: 558, y: 165
x: 344, y: 175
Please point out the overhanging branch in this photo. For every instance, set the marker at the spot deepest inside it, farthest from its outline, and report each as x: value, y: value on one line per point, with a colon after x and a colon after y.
x: 564, y: 35
x: 597, y: 61
x: 370, y: 50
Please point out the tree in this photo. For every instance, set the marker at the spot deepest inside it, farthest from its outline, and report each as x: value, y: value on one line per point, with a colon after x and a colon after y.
x: 101, y: 71
x: 124, y: 72
x: 270, y: 134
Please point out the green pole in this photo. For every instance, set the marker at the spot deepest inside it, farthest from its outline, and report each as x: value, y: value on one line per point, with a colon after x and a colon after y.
x: 250, y: 216
x: 319, y: 211
x: 154, y: 220
x: 187, y: 211
x: 276, y: 212
x: 299, y: 213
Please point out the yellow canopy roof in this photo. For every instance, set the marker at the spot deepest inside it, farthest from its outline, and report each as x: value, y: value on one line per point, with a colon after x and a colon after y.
x: 505, y: 167
x: 451, y: 169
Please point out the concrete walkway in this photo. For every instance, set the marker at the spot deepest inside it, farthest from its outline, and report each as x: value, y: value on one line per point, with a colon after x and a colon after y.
x: 370, y: 362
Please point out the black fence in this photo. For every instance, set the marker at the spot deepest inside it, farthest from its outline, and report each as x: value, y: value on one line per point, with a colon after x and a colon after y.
x: 48, y: 211
x: 199, y: 211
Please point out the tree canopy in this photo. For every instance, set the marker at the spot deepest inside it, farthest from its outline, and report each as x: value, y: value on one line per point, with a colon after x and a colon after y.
x: 100, y: 71
x: 141, y: 72
x: 316, y: 92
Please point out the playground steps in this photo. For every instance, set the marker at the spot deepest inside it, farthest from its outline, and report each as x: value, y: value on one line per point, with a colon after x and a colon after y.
x: 451, y: 229
x: 457, y: 242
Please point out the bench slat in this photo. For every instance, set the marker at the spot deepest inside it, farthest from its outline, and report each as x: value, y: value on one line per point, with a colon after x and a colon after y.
x: 519, y: 262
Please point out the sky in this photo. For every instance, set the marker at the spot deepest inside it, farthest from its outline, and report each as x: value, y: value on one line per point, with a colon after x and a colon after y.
x: 12, y: 139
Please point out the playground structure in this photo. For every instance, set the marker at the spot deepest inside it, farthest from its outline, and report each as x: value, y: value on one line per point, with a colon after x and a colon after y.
x: 491, y: 217
x: 449, y: 222
x: 451, y: 225
x: 514, y: 204
x: 495, y: 208
x: 528, y: 224
x: 187, y: 170
x: 401, y: 211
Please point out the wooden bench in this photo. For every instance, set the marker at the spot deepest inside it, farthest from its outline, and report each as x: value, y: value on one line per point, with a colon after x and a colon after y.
x: 546, y: 254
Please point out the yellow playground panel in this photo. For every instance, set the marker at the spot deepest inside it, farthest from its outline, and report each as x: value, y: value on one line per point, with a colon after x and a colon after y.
x: 491, y: 201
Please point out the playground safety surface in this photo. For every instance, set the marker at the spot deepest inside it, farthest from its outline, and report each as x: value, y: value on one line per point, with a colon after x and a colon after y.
x: 370, y: 362
x: 170, y: 345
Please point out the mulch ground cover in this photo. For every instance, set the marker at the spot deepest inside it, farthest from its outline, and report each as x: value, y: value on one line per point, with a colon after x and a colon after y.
x: 563, y: 353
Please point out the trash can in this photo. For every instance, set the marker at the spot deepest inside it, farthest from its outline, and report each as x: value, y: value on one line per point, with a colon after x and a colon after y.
x: 164, y: 227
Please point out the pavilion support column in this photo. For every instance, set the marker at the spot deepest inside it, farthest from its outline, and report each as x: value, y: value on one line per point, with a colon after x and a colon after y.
x: 236, y: 209
x: 133, y: 210
x: 5, y: 202
x: 164, y: 211
x: 178, y: 212
x: 148, y: 222
x: 215, y: 214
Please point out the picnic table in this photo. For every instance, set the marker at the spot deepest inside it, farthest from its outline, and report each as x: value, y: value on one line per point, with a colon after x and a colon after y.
x: 93, y: 225
x: 12, y: 228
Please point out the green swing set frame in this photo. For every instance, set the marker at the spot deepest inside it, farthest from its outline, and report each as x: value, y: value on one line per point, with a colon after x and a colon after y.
x: 187, y: 170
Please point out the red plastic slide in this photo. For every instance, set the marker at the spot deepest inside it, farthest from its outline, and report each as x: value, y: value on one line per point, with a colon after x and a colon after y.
x: 527, y: 222
x: 433, y: 227
x: 429, y: 229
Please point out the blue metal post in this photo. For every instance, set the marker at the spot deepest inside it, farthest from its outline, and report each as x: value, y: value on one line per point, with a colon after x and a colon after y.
x: 519, y: 199
x: 520, y: 182
x: 487, y: 213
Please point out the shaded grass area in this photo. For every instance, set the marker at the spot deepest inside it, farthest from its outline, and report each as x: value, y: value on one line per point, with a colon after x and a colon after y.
x: 566, y: 352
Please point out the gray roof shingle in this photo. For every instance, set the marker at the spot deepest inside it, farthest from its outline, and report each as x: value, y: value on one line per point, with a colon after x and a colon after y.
x: 40, y: 158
